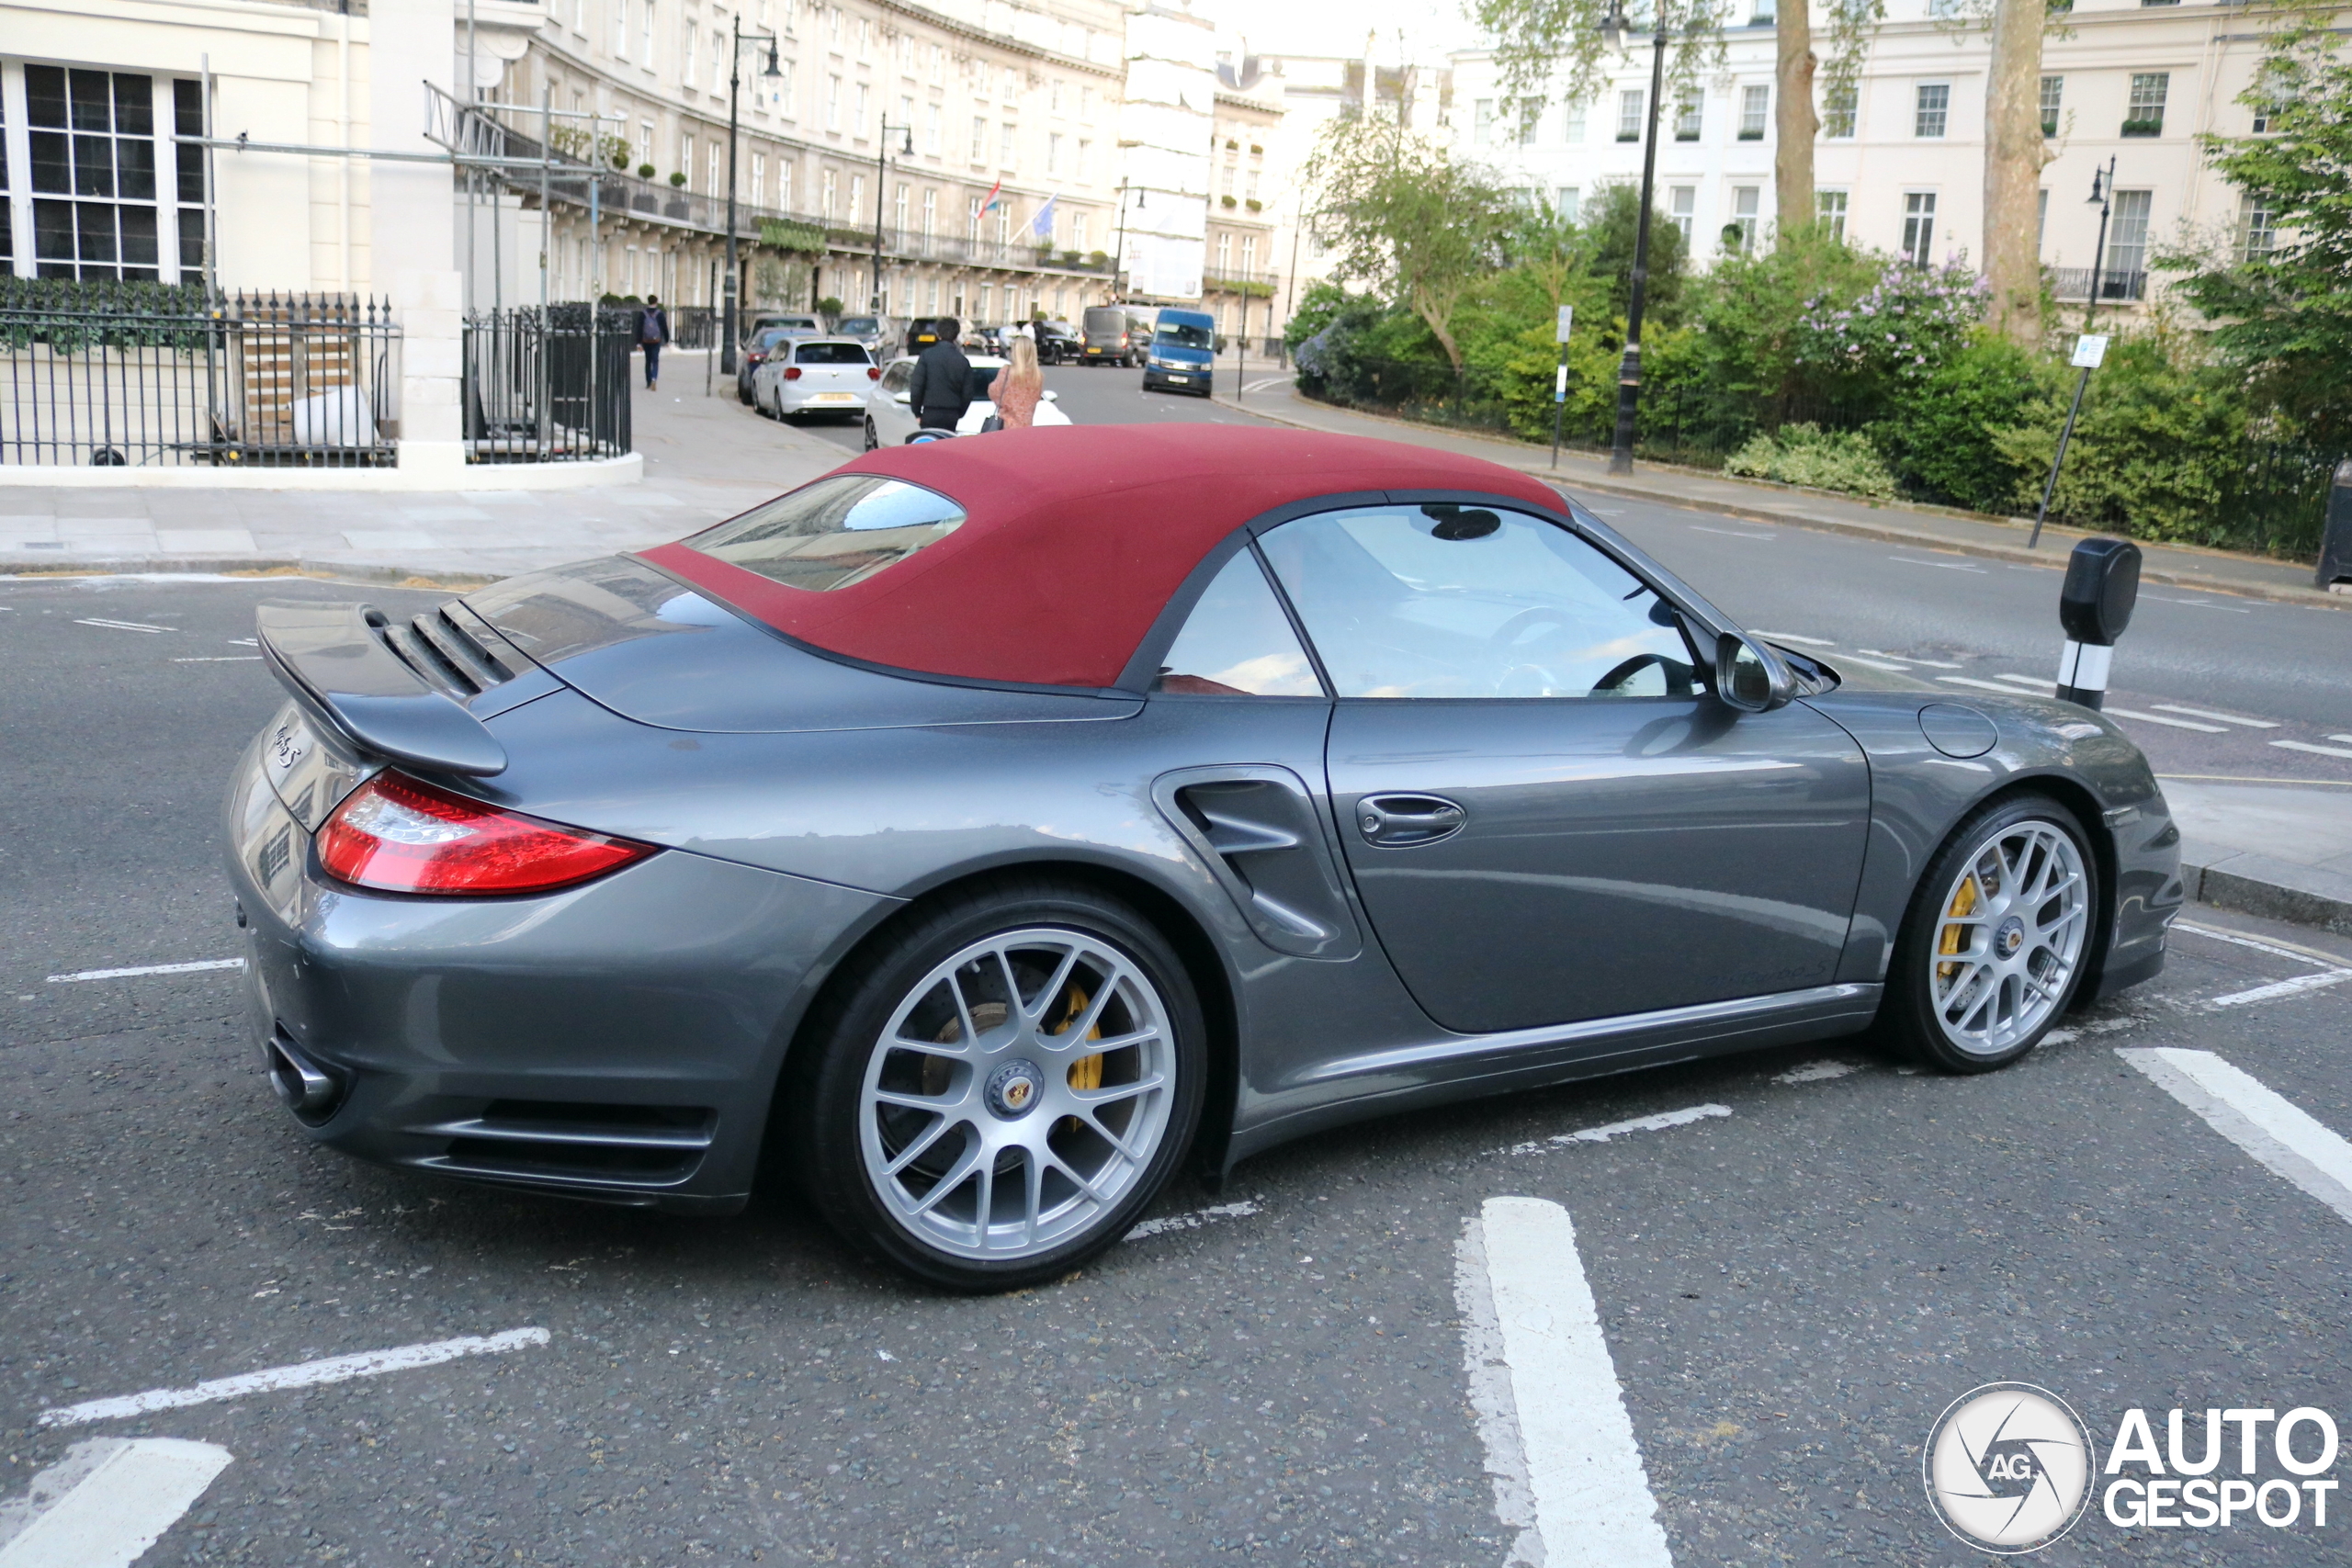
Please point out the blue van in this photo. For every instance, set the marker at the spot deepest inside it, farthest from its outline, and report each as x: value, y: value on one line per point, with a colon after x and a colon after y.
x: 1184, y: 353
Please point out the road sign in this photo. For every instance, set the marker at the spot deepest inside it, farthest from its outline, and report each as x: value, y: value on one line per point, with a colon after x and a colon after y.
x: 2089, y: 349
x: 1568, y: 316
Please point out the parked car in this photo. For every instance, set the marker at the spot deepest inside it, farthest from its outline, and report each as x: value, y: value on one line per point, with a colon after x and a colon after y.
x: 1110, y: 337
x: 813, y: 376
x: 877, y: 333
x: 1058, y: 343
x: 1184, y: 353
x: 987, y: 831
x: 760, y: 345
x: 889, y: 420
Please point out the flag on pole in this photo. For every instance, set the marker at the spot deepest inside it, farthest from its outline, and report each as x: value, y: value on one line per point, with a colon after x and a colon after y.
x: 1042, y: 225
x: 994, y: 199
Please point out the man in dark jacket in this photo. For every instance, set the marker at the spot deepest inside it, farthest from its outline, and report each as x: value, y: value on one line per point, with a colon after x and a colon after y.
x: 652, y: 332
x: 940, y: 391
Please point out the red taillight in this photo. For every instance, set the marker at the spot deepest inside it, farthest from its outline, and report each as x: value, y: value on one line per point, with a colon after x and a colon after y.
x: 874, y: 372
x: 397, y: 835
x: 792, y: 373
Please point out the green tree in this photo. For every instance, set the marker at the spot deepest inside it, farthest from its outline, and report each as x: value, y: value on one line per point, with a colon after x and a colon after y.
x: 1609, y: 235
x: 1408, y: 218
x: 2282, y: 312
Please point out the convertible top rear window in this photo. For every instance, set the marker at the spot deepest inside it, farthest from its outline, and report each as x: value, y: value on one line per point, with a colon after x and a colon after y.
x: 834, y: 533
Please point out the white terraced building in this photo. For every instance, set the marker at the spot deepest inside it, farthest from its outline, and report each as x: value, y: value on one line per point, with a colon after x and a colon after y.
x: 1899, y: 164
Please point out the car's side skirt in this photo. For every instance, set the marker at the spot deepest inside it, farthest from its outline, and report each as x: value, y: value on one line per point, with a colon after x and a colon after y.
x: 1457, y: 1066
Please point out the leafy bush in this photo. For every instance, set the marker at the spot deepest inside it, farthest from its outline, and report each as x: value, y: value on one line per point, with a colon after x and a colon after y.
x: 1820, y: 459
x: 1944, y: 441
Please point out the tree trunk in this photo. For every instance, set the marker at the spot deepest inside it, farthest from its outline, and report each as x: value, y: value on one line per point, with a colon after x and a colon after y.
x: 1794, y: 123
x: 2014, y: 155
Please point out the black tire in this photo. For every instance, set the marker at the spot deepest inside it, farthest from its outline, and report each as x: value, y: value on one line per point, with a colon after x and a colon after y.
x: 742, y: 392
x: 825, y: 1083
x: 873, y: 438
x: 1908, y: 1018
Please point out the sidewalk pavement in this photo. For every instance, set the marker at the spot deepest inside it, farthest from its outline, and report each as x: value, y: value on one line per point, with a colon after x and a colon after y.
x: 2279, y: 851
x: 706, y: 458
x: 2183, y: 566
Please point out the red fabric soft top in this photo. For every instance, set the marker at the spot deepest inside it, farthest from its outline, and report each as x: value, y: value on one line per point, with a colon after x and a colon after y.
x: 1076, y: 537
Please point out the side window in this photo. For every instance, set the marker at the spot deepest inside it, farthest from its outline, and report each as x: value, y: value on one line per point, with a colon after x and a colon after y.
x: 1445, y: 600
x: 895, y: 379
x: 1237, y: 642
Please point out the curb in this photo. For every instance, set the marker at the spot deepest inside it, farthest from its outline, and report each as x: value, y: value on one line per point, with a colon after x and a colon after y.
x: 2231, y: 883
x: 255, y: 567
x: 1883, y: 533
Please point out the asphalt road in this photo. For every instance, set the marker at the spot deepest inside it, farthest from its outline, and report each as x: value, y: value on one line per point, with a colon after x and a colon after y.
x: 1792, y: 1278
x: 2255, y: 674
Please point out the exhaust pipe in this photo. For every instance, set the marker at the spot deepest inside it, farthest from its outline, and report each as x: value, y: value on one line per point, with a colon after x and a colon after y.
x: 311, y: 1091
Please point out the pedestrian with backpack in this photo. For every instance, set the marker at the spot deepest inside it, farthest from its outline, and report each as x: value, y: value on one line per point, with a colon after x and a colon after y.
x: 652, y: 332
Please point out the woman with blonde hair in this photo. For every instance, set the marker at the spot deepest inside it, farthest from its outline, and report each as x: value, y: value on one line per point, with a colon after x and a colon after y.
x: 1019, y: 387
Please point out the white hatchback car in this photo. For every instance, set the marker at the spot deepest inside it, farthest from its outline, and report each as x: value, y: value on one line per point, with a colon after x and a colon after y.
x: 807, y: 376
x: 889, y: 420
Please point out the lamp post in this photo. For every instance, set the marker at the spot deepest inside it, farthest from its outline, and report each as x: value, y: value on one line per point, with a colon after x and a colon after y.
x: 1629, y: 373
x: 734, y: 82
x: 1119, y: 251
x: 882, y: 179
x: 2103, y: 193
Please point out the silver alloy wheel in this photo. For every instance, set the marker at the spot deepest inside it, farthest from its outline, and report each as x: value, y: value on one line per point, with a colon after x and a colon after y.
x: 2009, y: 932
x: 1018, y: 1093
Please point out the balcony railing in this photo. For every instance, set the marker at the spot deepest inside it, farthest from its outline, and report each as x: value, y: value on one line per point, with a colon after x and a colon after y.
x: 2071, y: 283
x: 1260, y: 284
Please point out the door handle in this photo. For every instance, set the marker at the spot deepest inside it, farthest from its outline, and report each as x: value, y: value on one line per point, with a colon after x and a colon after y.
x: 1395, y: 820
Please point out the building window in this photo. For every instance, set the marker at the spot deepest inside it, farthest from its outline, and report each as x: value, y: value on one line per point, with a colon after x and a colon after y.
x: 1077, y: 225
x: 2053, y: 91
x: 979, y: 138
x: 1839, y: 109
x: 1763, y: 14
x: 930, y: 213
x: 620, y: 29
x: 1249, y: 255
x: 2147, y: 115
x: 2257, y: 227
x: 1086, y: 164
x: 1054, y: 156
x: 1686, y: 118
x: 784, y: 98
x: 1931, y: 110
x: 1224, y: 256
x: 1919, y: 227
x: 92, y: 138
x: 899, y: 208
x: 2040, y: 220
x: 1569, y: 202
x: 931, y: 131
x: 645, y: 33
x: 2127, y: 240
x: 1682, y: 205
x: 1530, y: 119
x: 759, y: 179
x: 1754, y: 109
x: 830, y: 176
x: 1744, y: 214
x: 857, y: 117
x: 1005, y: 148
x: 858, y: 200
x: 1829, y: 207
x: 833, y: 104
x: 1629, y: 115
x: 187, y: 118
x: 2266, y: 115
x: 694, y: 48
x: 1481, y: 121
x: 1572, y: 124
x: 713, y: 182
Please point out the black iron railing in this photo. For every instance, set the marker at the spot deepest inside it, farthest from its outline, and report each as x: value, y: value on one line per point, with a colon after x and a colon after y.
x: 547, y: 388
x: 254, y: 381
x: 2075, y: 283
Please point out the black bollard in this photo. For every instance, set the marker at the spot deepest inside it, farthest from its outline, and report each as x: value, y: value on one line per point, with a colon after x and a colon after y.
x: 2094, y: 605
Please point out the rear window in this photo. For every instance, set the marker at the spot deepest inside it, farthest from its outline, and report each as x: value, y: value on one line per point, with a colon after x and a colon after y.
x: 834, y: 533
x: 1106, y: 320
x: 1183, y: 335
x: 830, y: 354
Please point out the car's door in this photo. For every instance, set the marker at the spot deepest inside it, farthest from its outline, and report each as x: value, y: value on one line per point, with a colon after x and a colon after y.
x: 893, y: 420
x: 1548, y: 815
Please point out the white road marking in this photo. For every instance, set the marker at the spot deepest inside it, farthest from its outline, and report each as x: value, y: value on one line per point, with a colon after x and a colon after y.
x: 1731, y: 533
x: 2256, y: 1118
x: 2202, y: 604
x: 1190, y: 1221
x: 148, y: 969
x: 335, y: 1369
x: 1981, y: 685
x: 2307, y: 746
x: 2043, y: 684
x: 1560, y: 1443
x: 1792, y: 636
x: 220, y: 658
x: 117, y: 626
x: 2289, y: 987
x: 2276, y: 949
x: 2223, y: 718
x: 1658, y: 1124
x: 1946, y: 565
x: 245, y: 642
x: 2176, y: 723
x: 1814, y: 1072
x: 2346, y: 739
x: 1259, y: 386
x: 1873, y: 664
x: 1914, y: 658
x: 105, y: 1502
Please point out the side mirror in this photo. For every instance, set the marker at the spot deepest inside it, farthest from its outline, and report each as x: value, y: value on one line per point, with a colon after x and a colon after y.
x: 1052, y: 396
x: 1748, y: 678
x: 901, y: 397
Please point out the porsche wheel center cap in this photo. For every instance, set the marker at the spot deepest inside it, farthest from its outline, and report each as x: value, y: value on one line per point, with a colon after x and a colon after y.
x: 1012, y: 1089
x: 2009, y: 938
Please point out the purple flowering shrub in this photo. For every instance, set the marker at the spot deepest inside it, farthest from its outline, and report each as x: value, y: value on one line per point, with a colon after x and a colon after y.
x: 1898, y: 332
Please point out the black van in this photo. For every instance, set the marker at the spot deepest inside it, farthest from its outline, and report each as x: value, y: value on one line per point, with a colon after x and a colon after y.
x: 1112, y: 338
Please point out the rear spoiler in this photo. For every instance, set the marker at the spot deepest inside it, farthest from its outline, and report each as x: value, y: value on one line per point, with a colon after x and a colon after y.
x: 337, y: 662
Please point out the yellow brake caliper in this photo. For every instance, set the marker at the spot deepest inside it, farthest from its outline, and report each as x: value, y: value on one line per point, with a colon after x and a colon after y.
x: 1087, y: 1071
x: 1963, y: 903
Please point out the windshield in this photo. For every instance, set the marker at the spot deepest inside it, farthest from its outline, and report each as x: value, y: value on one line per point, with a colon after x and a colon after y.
x: 860, y: 326
x: 834, y: 533
x: 1176, y: 336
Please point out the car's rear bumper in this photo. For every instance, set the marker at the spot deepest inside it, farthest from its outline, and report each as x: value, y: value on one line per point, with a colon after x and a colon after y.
x: 617, y: 1041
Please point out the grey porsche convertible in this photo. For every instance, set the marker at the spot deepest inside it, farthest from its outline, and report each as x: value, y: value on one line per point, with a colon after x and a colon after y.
x: 981, y: 832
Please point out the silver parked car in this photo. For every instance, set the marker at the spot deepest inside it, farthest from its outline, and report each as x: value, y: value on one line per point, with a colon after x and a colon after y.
x: 814, y: 375
x: 986, y: 829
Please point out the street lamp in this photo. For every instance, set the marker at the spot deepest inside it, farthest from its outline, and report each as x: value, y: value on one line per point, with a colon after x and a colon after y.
x: 1629, y: 374
x: 881, y: 179
x: 2102, y: 196
x: 734, y: 80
